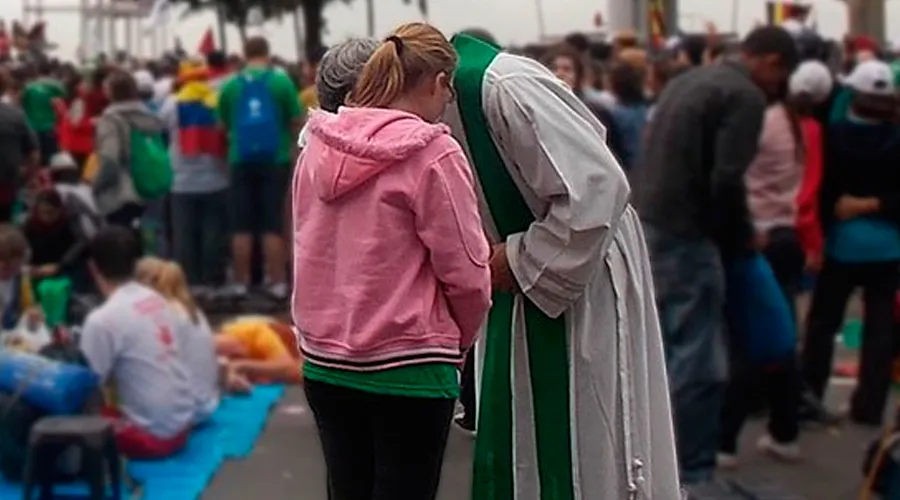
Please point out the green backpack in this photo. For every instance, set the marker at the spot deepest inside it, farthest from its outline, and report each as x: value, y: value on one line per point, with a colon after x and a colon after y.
x: 151, y: 170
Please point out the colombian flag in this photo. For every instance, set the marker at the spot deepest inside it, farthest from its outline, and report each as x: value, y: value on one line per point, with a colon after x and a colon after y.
x: 778, y: 12
x: 199, y: 132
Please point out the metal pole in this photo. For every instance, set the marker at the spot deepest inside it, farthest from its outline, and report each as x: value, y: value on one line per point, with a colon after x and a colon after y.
x: 735, y: 13
x: 111, y: 27
x: 542, y: 23
x: 298, y: 35
x: 370, y: 17
x: 223, y: 34
x: 129, y: 35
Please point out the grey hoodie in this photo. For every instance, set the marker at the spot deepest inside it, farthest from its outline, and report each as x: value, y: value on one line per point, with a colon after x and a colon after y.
x: 113, y: 187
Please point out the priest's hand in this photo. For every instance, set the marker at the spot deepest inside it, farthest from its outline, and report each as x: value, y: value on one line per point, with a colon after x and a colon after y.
x: 502, y: 279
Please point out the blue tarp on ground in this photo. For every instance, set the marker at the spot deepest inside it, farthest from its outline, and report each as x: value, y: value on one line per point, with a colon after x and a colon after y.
x: 230, y: 434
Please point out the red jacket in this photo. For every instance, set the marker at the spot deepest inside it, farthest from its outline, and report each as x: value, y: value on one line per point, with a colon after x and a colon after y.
x: 76, y: 133
x: 809, y: 228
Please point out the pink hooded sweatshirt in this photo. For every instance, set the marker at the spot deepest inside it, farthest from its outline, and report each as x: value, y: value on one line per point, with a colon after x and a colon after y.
x: 390, y: 258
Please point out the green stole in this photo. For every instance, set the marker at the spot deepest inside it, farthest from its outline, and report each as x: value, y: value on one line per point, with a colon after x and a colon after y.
x: 546, y: 337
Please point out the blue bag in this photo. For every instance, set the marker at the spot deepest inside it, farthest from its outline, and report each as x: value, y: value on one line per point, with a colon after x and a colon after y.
x: 257, y: 131
x: 757, y: 311
x: 55, y: 387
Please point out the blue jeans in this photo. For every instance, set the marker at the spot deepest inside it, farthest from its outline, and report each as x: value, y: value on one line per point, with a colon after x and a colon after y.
x: 200, y: 230
x: 690, y: 296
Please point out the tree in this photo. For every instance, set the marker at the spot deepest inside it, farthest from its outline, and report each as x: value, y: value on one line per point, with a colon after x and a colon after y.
x: 235, y: 12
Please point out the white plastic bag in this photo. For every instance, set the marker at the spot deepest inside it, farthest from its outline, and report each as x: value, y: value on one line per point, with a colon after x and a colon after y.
x: 25, y: 338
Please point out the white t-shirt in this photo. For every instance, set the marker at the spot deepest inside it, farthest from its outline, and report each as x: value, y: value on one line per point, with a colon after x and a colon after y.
x: 132, y: 340
x: 198, y: 352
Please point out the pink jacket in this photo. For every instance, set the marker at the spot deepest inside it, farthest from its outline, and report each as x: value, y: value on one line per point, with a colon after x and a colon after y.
x: 773, y: 178
x: 390, y: 259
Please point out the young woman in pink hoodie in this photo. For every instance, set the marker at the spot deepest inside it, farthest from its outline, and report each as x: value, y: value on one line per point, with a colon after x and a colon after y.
x: 391, y: 276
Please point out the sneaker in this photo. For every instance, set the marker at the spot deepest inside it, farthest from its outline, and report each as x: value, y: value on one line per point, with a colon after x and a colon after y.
x: 201, y: 293
x: 279, y: 291
x: 727, y: 461
x: 785, y: 452
x: 812, y: 411
x: 236, y: 291
x: 464, y: 424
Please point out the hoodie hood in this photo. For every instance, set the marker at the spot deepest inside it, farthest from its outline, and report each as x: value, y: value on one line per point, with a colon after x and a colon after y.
x: 136, y: 114
x: 347, y: 149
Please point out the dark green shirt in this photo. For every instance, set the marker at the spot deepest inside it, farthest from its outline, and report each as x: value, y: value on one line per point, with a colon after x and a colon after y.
x: 430, y: 380
x: 37, y: 103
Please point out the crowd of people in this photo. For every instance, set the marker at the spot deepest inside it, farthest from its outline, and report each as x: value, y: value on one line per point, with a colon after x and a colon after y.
x: 609, y: 251
x: 751, y: 169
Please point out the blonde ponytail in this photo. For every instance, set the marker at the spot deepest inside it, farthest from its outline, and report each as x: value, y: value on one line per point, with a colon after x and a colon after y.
x: 382, y: 79
x: 412, y: 51
x: 169, y: 280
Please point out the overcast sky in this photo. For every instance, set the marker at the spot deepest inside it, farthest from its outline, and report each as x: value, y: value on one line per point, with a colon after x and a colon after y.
x: 512, y: 21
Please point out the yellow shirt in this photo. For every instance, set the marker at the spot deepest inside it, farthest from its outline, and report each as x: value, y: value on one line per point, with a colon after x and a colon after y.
x: 257, y: 338
x: 309, y: 98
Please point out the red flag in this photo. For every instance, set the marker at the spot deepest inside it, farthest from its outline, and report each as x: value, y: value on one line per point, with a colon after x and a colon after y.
x: 207, y: 43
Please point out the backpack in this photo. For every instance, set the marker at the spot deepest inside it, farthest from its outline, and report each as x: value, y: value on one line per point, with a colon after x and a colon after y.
x: 151, y: 171
x: 17, y: 416
x: 257, y: 131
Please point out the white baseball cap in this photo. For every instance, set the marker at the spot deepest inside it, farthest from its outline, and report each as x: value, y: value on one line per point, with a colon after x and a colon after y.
x: 144, y: 80
x: 871, y: 77
x: 811, y: 78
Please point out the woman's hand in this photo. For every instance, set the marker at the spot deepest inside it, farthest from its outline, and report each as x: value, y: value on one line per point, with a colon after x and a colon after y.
x: 849, y: 207
x: 502, y: 278
x: 34, y: 317
x: 45, y: 271
x: 814, y: 262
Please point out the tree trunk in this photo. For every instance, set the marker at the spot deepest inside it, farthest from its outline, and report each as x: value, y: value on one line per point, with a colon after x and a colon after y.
x: 856, y: 16
x: 313, y: 24
x: 866, y: 17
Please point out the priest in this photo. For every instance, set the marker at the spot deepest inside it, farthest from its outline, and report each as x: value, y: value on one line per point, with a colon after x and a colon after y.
x: 574, y: 402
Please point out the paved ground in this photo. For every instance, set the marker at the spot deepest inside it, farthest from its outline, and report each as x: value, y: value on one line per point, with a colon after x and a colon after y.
x: 287, y: 464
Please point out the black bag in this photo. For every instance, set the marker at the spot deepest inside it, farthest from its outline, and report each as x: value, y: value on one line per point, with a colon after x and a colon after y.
x: 17, y: 416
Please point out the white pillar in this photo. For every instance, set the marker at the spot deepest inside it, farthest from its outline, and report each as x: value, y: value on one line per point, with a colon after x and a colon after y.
x: 620, y: 15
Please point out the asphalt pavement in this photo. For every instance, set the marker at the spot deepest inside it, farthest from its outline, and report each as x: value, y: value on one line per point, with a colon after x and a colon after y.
x: 287, y: 462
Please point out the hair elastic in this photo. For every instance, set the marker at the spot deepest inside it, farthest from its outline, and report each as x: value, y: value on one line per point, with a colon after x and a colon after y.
x: 397, y: 41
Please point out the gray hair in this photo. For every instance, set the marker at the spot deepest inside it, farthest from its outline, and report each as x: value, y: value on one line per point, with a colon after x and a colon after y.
x: 340, y: 68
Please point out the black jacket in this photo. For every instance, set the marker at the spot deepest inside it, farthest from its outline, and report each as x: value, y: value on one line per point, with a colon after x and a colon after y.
x: 689, y: 179
x: 861, y: 160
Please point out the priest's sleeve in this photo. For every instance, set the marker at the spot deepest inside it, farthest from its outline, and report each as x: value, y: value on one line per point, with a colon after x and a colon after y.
x: 556, y: 146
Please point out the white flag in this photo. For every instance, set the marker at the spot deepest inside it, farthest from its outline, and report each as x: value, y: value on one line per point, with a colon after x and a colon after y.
x: 158, y: 16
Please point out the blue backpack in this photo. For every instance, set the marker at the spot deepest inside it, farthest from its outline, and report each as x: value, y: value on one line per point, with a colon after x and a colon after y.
x: 257, y: 132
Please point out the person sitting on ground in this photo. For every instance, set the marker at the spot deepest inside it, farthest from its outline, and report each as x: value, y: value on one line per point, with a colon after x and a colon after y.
x: 259, y: 349
x: 17, y: 296
x: 131, y: 343
x: 76, y: 194
x: 57, y: 245
x: 198, y: 347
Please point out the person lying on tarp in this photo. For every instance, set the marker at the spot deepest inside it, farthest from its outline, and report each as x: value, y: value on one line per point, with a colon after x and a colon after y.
x: 258, y: 349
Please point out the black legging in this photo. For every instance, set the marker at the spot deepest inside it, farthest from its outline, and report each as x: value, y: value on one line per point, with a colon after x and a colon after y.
x: 834, y: 285
x: 467, y: 382
x: 779, y: 383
